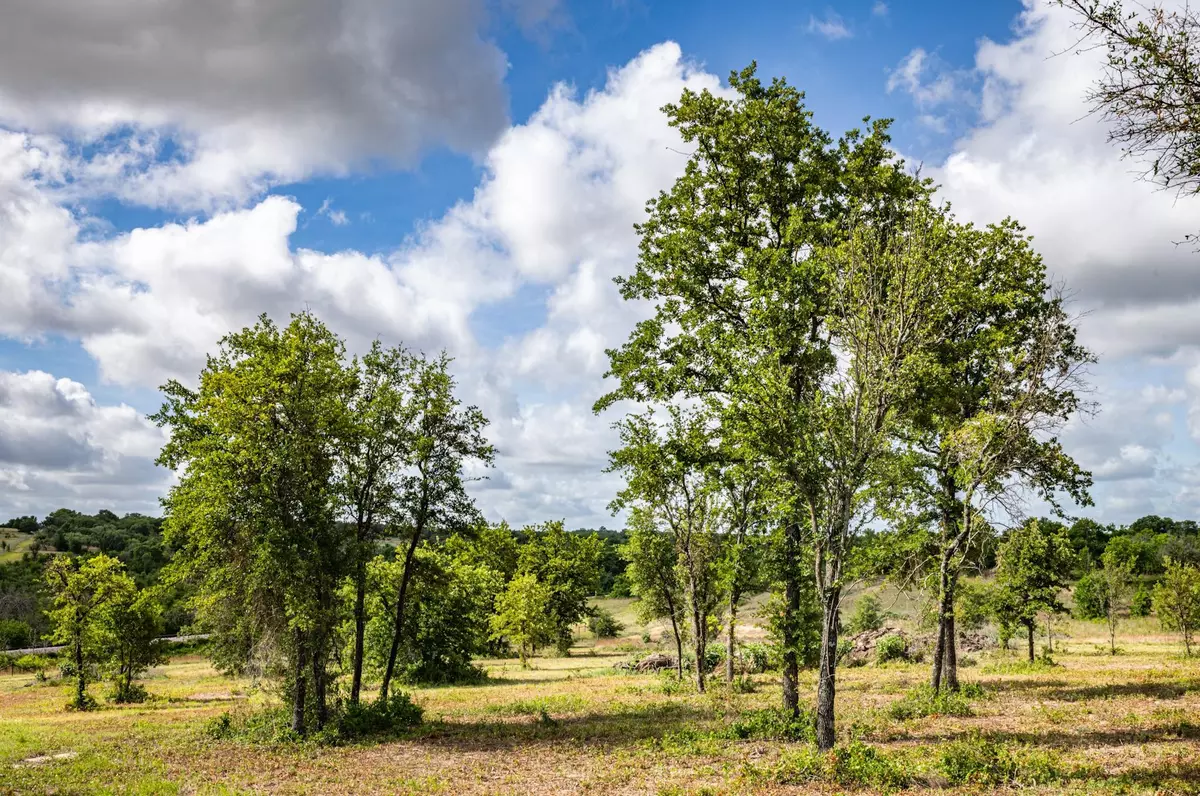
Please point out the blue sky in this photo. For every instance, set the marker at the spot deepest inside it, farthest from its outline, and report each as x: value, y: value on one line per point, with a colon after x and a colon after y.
x: 465, y: 174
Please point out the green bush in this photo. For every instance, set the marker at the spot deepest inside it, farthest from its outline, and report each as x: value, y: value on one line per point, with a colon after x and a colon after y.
x: 924, y: 701
x: 31, y: 663
x: 756, y: 658
x: 1142, y: 602
x: 868, y: 614
x: 603, y: 624
x: 891, y: 648
x: 981, y: 761
x: 855, y: 765
x: 972, y: 606
x: 14, y: 634
x: 378, y: 718
x: 775, y: 725
x: 1090, y: 602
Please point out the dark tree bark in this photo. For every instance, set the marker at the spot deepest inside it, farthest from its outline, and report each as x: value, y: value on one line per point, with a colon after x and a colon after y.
x: 791, y: 609
x: 731, y: 642
x: 360, y: 627
x: 398, y: 625
x: 1030, y: 626
x: 299, y: 691
x: 826, y: 682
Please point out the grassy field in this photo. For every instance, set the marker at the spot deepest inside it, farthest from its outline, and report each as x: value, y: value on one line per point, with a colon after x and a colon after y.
x: 1092, y: 723
x: 15, y: 544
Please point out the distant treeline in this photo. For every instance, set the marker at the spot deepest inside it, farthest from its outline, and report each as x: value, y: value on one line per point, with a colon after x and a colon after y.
x: 136, y: 540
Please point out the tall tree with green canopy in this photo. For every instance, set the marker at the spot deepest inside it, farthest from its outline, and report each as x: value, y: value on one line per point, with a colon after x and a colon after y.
x: 736, y: 259
x: 1035, y: 565
x: 523, y: 616
x: 373, y: 462
x: 653, y: 572
x: 673, y: 479
x: 567, y: 565
x: 254, y: 515
x: 83, y: 593
x: 982, y: 430
x: 431, y: 496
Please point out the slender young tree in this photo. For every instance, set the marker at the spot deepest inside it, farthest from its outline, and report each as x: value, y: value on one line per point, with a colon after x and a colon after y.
x: 651, y: 565
x: 1117, y: 577
x: 373, y: 462
x: 1035, y: 565
x: 83, y: 594
x: 672, y: 476
x: 254, y: 516
x: 743, y: 570
x: 443, y: 437
x: 1177, y: 601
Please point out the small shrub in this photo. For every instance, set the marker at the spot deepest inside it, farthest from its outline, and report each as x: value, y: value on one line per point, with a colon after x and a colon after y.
x: 1089, y: 596
x: 136, y: 693
x: 981, y: 761
x: 743, y: 685
x: 30, y: 663
x: 398, y: 713
x: 855, y: 765
x: 646, y: 637
x: 868, y: 614
x: 775, y: 725
x: 603, y: 624
x: 924, y: 701
x: 891, y: 648
x: 1142, y: 602
x: 844, y: 648
x: 756, y: 658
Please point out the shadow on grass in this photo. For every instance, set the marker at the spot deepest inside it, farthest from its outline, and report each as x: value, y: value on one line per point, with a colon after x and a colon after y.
x: 624, y: 726
x: 1154, y: 690
x: 1177, y: 775
x: 1174, y: 732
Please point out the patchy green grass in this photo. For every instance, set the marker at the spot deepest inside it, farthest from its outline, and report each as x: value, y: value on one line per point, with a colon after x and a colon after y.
x: 1092, y: 723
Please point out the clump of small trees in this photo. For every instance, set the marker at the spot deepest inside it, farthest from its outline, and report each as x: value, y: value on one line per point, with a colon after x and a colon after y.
x: 819, y: 319
x: 107, y: 625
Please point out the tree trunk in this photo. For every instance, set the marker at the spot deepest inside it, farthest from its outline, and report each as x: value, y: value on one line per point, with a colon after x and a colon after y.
x: 950, y: 673
x: 360, y: 627
x: 731, y: 642
x: 299, y: 695
x: 319, y: 680
x: 80, y: 682
x: 791, y: 609
x: 398, y: 625
x: 827, y: 676
x: 699, y: 644
x: 1029, y: 625
x: 678, y: 645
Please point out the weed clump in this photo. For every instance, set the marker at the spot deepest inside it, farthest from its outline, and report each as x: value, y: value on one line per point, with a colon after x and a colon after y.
x: 978, y: 760
x: 350, y: 722
x: 856, y: 765
x: 924, y: 701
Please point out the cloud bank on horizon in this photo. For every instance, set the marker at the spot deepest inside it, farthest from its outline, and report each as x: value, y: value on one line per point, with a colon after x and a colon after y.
x: 196, y: 119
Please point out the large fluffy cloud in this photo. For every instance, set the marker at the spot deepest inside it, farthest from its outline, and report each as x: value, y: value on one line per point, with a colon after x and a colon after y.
x: 58, y: 447
x: 194, y: 103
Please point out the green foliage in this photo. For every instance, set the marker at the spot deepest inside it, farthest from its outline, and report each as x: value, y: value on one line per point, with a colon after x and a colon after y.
x: 978, y: 760
x: 378, y: 718
x: 756, y: 658
x: 15, y: 634
x: 891, y: 648
x: 924, y: 701
x: 523, y: 616
x: 1035, y: 562
x: 447, y: 622
x: 773, y: 724
x: 1089, y: 597
x: 254, y: 515
x: 84, y: 596
x: 855, y: 765
x: 134, y: 623
x: 566, y: 566
x: 1177, y: 601
x: 973, y: 606
x: 1142, y: 602
x: 868, y: 614
x: 603, y: 624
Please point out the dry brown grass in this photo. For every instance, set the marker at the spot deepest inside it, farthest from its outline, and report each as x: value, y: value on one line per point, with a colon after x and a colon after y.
x: 1124, y: 724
